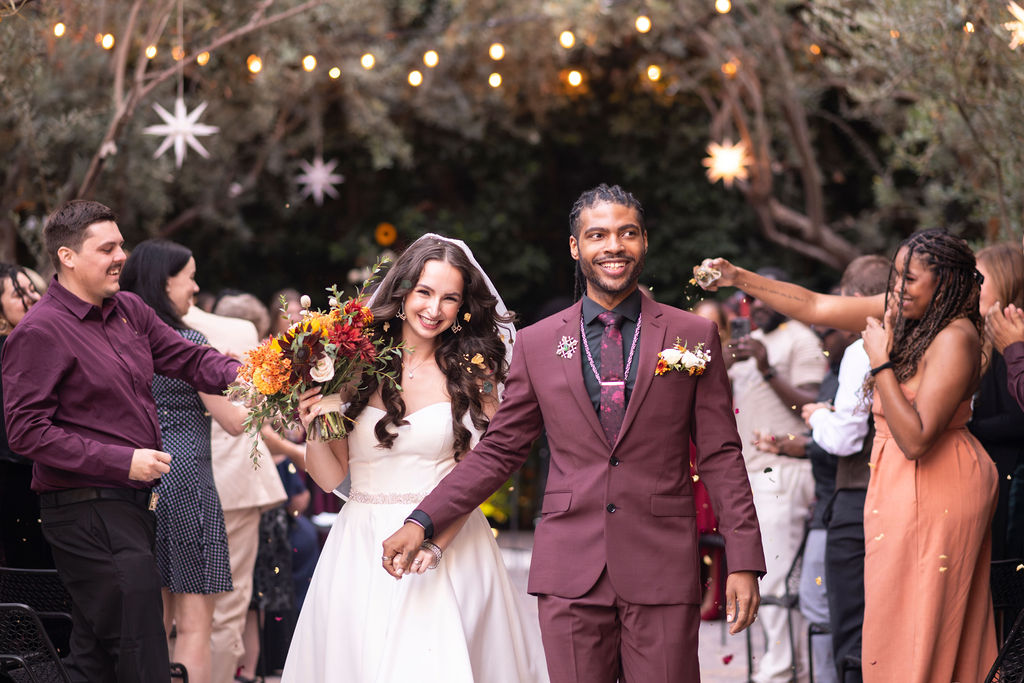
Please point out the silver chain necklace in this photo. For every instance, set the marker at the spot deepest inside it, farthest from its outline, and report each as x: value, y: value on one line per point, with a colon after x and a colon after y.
x: 629, y: 360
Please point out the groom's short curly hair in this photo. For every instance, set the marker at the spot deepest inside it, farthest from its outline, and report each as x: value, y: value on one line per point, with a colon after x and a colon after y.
x: 603, y: 193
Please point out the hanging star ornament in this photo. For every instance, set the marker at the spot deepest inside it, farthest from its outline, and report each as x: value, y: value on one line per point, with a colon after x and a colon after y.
x: 181, y: 129
x: 318, y: 179
x: 727, y: 162
x: 1016, y: 28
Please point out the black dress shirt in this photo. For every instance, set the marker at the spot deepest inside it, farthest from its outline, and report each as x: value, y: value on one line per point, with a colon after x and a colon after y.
x: 630, y: 311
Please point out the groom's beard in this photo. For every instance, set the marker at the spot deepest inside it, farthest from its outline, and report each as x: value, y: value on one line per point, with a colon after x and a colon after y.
x: 596, y: 280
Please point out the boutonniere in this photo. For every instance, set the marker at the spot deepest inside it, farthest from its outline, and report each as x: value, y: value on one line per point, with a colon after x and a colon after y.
x: 566, y: 347
x: 683, y: 359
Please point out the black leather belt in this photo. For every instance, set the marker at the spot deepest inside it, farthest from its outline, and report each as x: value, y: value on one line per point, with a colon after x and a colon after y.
x: 142, y: 497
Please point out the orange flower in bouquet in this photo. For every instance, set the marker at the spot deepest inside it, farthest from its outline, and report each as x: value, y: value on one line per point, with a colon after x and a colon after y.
x: 331, y: 349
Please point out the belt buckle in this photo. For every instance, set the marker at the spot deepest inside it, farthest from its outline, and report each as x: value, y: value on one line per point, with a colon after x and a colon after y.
x: 153, y: 498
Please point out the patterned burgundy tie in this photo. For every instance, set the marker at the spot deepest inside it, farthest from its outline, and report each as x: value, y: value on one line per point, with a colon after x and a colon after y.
x: 613, y: 384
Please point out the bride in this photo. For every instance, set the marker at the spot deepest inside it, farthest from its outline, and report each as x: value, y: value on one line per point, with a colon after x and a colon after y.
x: 457, y: 617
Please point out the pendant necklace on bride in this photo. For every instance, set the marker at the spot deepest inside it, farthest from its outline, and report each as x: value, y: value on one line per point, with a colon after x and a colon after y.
x: 410, y: 370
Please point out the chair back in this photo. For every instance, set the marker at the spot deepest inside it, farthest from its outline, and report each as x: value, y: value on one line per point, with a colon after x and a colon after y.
x: 44, y: 592
x: 1009, y: 664
x: 26, y: 653
x: 1007, y: 580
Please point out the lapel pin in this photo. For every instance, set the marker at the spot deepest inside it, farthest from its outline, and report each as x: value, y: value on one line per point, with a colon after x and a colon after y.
x: 567, y: 347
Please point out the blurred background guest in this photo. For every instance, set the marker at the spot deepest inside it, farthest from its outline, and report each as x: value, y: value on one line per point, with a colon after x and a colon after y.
x: 21, y: 536
x: 191, y: 541
x: 245, y: 491
x: 997, y: 420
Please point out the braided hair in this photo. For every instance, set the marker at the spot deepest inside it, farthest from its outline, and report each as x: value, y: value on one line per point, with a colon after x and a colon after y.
x: 602, y: 194
x: 958, y: 287
x: 467, y: 378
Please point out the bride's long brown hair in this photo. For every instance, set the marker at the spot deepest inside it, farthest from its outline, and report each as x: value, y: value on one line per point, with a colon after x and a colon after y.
x: 466, y: 381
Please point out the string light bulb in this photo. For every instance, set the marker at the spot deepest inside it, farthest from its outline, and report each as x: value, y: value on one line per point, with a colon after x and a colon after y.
x: 178, y: 53
x: 309, y: 63
x: 969, y: 27
x: 430, y: 58
x: 894, y: 33
x: 494, y: 80
x: 203, y: 58
x: 334, y: 73
x: 643, y: 23
x: 730, y: 68
x: 815, y: 49
x: 107, y: 41
x: 59, y: 28
x: 367, y: 61
x: 415, y: 78
x: 575, y: 78
x: 726, y: 162
x: 654, y: 72
x: 496, y: 51
x: 723, y: 6
x: 566, y: 39
x: 151, y: 52
x: 254, y: 63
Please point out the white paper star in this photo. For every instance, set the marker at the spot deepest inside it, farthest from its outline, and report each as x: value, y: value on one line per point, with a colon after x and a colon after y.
x: 181, y: 129
x: 318, y: 179
x: 1016, y: 28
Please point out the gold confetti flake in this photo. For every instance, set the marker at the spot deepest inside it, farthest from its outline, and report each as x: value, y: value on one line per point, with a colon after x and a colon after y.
x: 707, y: 560
x: 879, y: 537
x: 817, y: 580
x: 1020, y: 567
x: 942, y: 569
x: 696, y: 478
x: 791, y: 437
x: 943, y: 557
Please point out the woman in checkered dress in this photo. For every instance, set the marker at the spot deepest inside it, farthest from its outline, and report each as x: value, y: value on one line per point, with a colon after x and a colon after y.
x: 191, y: 543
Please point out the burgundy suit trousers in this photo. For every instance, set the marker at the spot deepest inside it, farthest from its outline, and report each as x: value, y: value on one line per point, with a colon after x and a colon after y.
x: 601, y: 638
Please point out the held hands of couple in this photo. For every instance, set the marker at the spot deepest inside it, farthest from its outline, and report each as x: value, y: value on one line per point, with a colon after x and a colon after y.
x: 402, y: 548
x: 742, y: 599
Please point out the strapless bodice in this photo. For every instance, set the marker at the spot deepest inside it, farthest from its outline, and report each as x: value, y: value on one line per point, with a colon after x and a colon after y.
x: 423, y: 452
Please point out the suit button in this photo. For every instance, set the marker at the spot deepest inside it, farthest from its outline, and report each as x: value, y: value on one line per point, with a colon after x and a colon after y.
x: 610, y: 507
x: 614, y: 461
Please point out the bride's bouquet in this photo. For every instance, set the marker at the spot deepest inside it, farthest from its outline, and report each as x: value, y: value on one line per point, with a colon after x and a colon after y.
x: 333, y: 349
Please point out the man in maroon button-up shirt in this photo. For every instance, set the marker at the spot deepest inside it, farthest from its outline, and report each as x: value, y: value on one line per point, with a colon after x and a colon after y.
x: 77, y: 376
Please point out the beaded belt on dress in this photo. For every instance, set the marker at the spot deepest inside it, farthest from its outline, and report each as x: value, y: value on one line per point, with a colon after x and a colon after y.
x: 386, y: 498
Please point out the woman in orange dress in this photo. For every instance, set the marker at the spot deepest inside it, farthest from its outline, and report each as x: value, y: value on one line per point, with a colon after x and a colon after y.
x: 928, y: 608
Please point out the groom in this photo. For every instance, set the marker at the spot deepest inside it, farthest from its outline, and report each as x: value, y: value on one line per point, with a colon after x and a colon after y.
x: 615, y: 563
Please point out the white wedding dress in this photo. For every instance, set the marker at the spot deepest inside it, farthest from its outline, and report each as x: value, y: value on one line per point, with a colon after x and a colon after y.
x: 460, y: 623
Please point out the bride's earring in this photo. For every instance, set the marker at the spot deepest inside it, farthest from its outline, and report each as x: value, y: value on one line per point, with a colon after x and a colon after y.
x: 401, y: 311
x: 456, y: 326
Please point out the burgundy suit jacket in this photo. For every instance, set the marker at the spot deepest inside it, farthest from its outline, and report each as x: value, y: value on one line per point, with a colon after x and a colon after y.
x: 630, y: 506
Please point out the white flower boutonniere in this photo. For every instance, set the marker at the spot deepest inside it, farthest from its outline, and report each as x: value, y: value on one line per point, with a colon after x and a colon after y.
x: 681, y: 358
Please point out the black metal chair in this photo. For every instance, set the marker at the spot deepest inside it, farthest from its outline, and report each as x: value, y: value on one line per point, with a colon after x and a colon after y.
x: 790, y: 601
x: 26, y: 653
x: 814, y: 629
x: 1007, y: 593
x: 179, y: 672
x: 1009, y: 664
x: 44, y: 592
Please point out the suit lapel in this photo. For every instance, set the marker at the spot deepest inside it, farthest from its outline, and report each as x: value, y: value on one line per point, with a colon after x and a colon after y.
x: 652, y: 340
x: 573, y: 369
